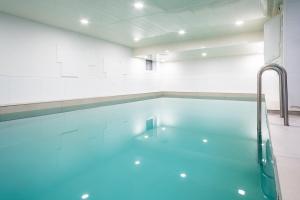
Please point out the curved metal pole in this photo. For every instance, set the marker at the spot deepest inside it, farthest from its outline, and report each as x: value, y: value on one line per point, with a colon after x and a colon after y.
x: 280, y: 95
x: 285, y: 98
x: 282, y: 91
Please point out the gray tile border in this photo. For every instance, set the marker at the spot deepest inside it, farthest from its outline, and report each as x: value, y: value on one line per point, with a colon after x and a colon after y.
x: 18, y: 111
x: 76, y: 102
x: 212, y: 95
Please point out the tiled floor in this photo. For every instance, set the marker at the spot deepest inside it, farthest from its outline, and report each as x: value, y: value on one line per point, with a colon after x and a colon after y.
x: 286, y: 147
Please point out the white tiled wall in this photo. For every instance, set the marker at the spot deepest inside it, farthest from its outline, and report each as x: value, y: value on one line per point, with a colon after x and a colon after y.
x: 291, y: 49
x: 41, y: 63
x: 235, y: 74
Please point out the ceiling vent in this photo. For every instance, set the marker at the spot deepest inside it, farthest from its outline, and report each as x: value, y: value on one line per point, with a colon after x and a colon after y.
x: 270, y: 7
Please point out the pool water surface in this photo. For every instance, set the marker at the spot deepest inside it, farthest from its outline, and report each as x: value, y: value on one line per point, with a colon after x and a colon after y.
x: 162, y: 149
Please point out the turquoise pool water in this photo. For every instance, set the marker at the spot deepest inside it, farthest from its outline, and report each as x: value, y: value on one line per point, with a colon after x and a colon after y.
x: 162, y: 149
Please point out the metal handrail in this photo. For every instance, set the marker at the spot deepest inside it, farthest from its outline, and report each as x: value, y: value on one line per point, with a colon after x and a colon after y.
x: 283, y: 92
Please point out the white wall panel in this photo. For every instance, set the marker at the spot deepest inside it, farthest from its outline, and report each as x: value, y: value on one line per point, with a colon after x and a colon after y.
x: 291, y: 49
x: 272, y: 39
x: 4, y: 88
x: 24, y: 89
x: 235, y: 74
x: 42, y: 63
x: 52, y: 89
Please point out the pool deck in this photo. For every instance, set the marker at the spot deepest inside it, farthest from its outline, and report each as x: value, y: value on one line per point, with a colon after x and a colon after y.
x: 285, y: 143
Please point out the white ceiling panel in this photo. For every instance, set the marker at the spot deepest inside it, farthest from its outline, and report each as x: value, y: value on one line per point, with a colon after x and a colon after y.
x: 157, y: 23
x: 243, y: 49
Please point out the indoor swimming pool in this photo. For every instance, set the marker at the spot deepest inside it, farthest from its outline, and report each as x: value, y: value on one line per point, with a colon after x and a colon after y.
x: 162, y: 148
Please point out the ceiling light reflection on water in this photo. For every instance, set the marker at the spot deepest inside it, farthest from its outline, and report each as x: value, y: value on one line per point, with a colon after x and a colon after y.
x: 85, y: 196
x: 183, y: 175
x: 137, y: 162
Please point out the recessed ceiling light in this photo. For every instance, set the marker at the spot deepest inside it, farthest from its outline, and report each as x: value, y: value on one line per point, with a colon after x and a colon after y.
x: 136, y: 39
x: 146, y: 136
x: 242, y: 192
x: 85, y: 196
x: 239, y: 23
x: 181, y: 32
x: 84, y: 21
x: 204, y: 54
x: 204, y: 140
x: 162, y: 60
x: 202, y: 47
x: 138, y: 5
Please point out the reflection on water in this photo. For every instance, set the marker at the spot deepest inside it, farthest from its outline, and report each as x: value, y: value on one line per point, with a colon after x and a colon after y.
x: 268, y: 181
x: 155, y: 149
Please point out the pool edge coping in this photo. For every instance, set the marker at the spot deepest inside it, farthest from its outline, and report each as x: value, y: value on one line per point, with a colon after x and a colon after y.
x: 19, y: 111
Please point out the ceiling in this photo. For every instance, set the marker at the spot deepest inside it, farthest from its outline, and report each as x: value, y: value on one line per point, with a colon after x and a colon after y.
x: 233, y: 50
x: 158, y: 23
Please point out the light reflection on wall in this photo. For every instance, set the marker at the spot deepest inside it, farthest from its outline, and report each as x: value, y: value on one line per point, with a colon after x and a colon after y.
x: 139, y: 126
